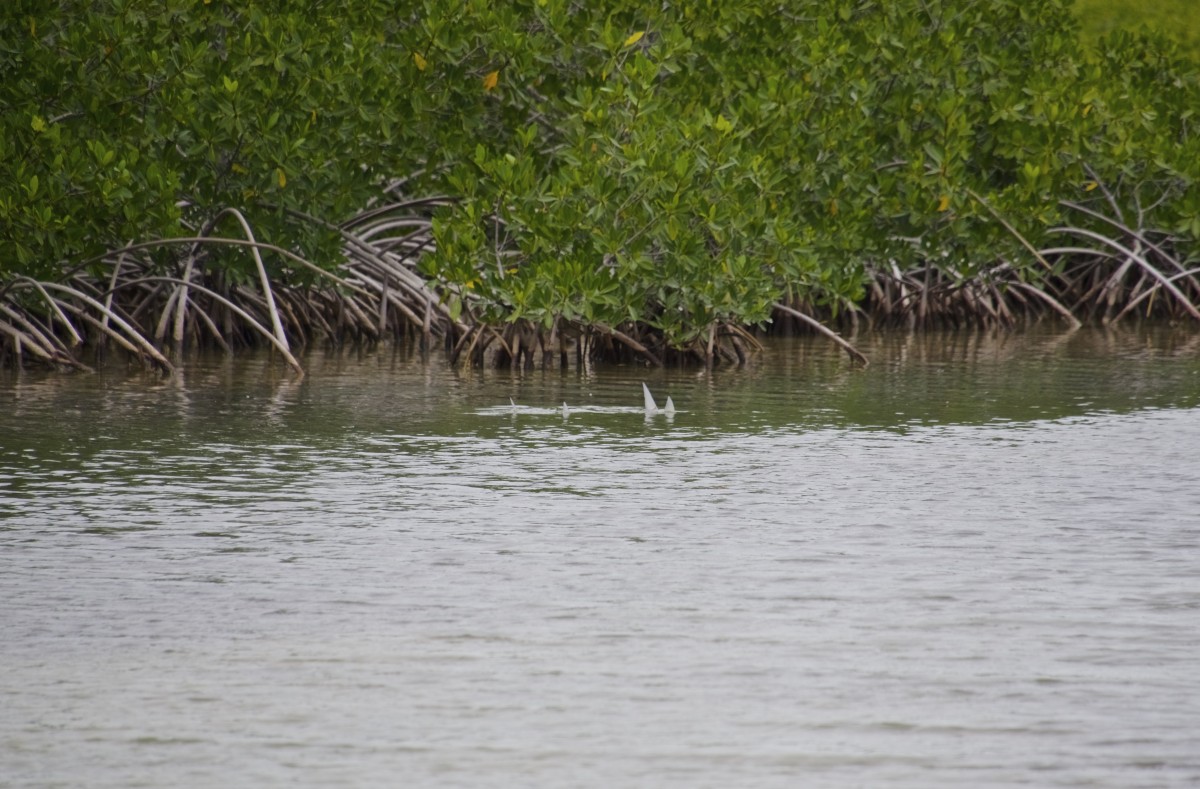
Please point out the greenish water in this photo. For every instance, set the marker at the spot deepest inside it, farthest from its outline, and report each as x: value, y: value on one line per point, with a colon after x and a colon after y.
x: 925, y: 379
x: 976, y: 562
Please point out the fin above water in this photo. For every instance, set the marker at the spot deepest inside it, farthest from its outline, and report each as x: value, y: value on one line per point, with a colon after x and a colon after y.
x: 651, y: 407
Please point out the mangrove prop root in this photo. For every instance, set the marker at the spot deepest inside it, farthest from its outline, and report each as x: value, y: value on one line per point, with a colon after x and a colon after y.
x: 824, y: 330
x: 1109, y: 271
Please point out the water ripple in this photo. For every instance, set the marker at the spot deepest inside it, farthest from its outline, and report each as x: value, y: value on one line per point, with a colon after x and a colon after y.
x: 332, y: 596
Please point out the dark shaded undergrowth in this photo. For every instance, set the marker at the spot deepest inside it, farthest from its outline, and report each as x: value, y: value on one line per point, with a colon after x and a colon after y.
x: 128, y: 301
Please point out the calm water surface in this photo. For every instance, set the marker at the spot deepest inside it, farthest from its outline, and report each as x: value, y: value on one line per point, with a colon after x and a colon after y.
x: 975, y: 563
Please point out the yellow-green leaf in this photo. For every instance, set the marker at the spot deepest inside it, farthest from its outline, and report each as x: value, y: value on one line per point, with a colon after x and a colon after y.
x: 636, y: 37
x: 490, y: 80
x: 944, y: 203
x: 282, y: 176
x: 420, y: 61
x: 1089, y: 186
x: 38, y: 123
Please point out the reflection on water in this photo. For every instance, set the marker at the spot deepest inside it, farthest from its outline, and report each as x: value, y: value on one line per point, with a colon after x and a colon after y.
x: 959, y: 378
x: 974, y: 563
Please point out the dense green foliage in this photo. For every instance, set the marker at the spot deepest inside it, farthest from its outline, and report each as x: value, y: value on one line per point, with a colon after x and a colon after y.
x: 130, y: 120
x: 841, y: 140
x: 678, y: 167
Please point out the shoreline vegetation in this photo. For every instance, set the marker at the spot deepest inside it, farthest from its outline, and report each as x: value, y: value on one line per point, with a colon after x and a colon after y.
x: 1179, y: 20
x: 543, y: 182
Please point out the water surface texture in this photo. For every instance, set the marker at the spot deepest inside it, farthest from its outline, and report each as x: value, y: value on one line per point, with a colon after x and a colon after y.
x: 975, y: 563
